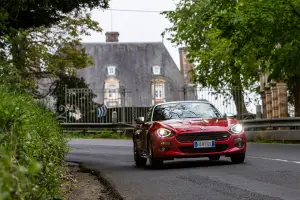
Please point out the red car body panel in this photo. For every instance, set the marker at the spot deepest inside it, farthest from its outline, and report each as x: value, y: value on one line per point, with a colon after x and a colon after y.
x: 185, y: 149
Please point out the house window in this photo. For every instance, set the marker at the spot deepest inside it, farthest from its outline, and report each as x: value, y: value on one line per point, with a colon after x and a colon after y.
x: 158, y: 91
x: 156, y: 70
x: 112, y: 96
x: 110, y: 93
x: 111, y: 70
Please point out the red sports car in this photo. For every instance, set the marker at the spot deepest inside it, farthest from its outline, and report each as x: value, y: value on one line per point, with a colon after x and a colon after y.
x: 187, y: 129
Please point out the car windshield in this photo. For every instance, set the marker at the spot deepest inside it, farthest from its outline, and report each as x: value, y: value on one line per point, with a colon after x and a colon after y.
x: 185, y: 110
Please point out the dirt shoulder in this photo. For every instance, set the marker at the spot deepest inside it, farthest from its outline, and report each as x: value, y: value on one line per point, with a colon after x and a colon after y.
x: 82, y: 184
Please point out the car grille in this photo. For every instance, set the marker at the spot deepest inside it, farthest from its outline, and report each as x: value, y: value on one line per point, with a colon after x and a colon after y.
x: 191, y: 149
x: 190, y: 137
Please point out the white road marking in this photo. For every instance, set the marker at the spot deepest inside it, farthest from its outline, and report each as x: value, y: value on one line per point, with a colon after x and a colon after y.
x: 276, y: 159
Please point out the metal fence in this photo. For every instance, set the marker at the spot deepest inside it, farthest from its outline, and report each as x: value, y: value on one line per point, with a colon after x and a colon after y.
x: 99, y: 106
x: 232, y: 102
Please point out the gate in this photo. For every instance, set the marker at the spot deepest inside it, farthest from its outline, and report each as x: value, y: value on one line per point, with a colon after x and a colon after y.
x: 86, y: 106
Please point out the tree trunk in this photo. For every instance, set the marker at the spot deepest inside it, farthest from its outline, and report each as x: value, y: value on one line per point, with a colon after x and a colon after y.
x: 238, y: 98
x: 297, y: 98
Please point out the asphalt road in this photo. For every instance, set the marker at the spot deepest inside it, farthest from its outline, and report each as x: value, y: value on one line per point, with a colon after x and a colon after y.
x: 271, y: 171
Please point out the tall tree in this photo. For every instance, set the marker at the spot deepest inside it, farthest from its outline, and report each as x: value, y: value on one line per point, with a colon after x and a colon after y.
x: 48, y: 52
x: 54, y: 53
x: 274, y: 39
x: 35, y: 34
x: 213, y: 40
x: 232, y: 42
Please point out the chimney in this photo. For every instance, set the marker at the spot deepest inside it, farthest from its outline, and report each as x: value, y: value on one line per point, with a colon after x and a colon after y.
x: 185, y: 66
x: 112, y: 36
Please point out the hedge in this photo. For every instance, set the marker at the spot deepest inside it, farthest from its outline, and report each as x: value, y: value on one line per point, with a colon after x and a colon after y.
x: 32, y: 148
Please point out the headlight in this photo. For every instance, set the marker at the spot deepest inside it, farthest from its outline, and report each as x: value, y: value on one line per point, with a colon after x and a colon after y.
x: 236, y: 129
x: 162, y: 132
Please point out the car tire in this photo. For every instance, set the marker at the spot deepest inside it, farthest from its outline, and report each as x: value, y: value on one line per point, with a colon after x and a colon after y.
x: 214, y: 158
x: 237, y: 159
x: 154, y: 163
x: 139, y: 161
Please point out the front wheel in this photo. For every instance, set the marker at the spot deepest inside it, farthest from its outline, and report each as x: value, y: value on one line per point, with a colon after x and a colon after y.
x: 139, y: 161
x: 237, y: 159
x: 154, y: 163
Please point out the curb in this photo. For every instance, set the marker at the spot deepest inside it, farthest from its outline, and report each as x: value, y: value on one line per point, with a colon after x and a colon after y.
x: 113, y: 193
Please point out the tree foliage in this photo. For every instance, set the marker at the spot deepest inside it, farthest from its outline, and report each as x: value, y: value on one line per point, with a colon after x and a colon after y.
x: 43, y: 38
x: 26, y: 14
x: 232, y: 42
x: 42, y: 52
x: 206, y: 28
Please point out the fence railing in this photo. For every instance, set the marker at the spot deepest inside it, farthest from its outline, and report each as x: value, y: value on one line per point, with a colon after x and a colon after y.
x: 280, y: 129
x: 272, y: 123
x: 86, y: 105
x: 273, y: 129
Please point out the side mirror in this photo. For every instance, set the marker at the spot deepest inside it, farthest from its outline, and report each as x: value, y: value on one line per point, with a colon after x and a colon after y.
x: 140, y: 120
x: 225, y: 115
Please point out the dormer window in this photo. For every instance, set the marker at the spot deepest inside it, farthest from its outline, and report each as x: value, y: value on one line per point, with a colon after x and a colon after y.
x: 111, y: 70
x: 156, y: 70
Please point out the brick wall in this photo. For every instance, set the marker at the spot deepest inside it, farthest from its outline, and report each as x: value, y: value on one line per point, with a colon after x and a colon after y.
x: 185, y: 66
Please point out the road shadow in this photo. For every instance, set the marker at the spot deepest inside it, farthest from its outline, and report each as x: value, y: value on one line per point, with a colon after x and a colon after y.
x: 178, y: 164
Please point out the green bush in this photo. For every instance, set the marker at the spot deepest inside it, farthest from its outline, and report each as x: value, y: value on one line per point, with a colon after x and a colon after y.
x: 32, y: 148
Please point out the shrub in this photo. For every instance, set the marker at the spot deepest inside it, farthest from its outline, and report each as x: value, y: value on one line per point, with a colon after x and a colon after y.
x: 32, y: 148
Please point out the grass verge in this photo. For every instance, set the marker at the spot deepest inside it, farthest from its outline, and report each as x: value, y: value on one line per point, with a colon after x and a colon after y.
x: 98, y: 135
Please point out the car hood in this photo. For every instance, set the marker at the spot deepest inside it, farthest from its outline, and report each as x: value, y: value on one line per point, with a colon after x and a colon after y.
x: 200, y: 125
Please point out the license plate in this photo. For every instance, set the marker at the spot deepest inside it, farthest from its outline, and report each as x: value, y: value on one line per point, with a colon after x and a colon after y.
x: 204, y: 144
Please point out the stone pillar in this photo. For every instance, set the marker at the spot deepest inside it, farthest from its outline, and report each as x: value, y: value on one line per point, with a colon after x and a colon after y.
x: 274, y: 91
x: 258, y: 112
x: 282, y: 99
x: 190, y: 92
x: 264, y: 106
x: 114, y: 117
x: 268, y: 102
x: 123, y: 102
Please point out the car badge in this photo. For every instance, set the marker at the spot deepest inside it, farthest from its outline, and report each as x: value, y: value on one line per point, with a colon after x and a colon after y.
x: 202, y: 127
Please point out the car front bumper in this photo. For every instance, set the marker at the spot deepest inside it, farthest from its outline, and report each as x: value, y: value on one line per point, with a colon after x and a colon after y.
x: 170, y: 148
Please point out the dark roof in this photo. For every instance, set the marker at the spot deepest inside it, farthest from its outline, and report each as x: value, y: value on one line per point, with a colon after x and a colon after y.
x: 134, y: 62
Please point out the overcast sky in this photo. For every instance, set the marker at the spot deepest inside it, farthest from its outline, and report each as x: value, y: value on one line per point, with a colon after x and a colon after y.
x: 135, y: 26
